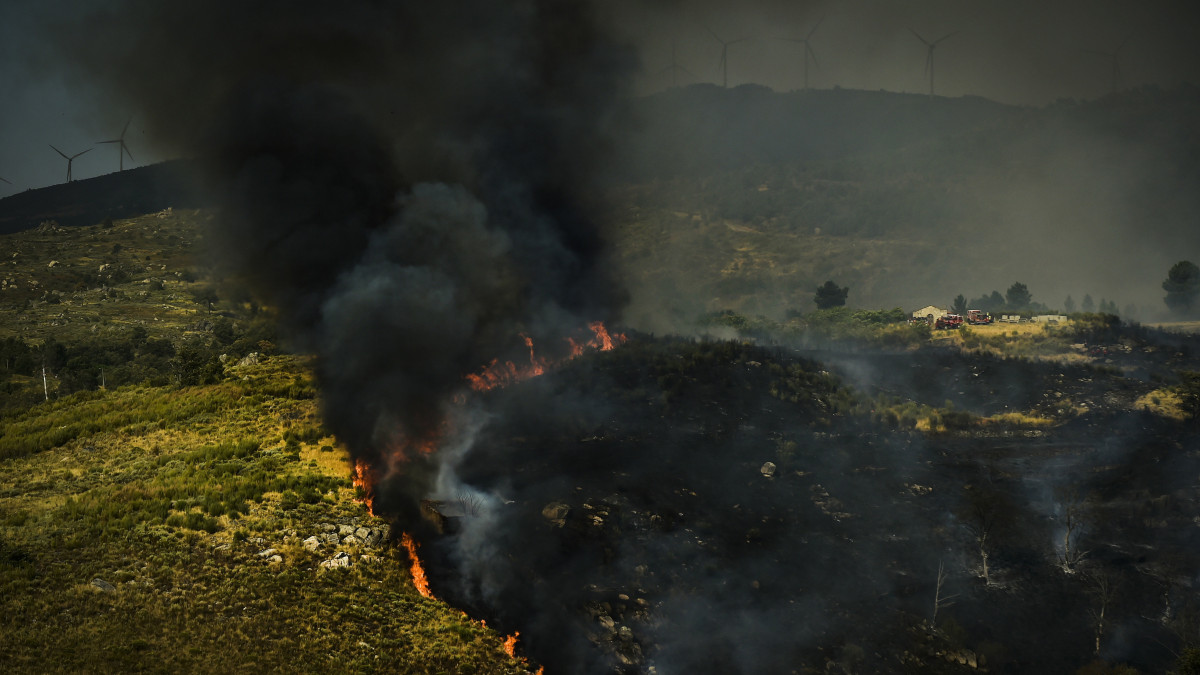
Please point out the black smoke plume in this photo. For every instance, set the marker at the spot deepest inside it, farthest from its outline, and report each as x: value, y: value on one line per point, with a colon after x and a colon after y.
x: 406, y: 182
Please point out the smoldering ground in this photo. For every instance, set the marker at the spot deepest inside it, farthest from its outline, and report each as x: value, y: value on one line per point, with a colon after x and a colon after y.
x: 410, y: 185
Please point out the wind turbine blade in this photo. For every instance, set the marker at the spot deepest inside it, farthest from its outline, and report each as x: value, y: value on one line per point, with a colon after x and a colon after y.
x: 81, y: 153
x: 127, y: 152
x: 734, y: 42
x: 928, y: 60
x: 5, y: 180
x: 1123, y: 43
x: 126, y: 128
x: 64, y: 155
x: 814, y: 28
x: 812, y: 54
x: 947, y: 35
x: 918, y: 36
x: 117, y: 140
x: 710, y: 32
x: 689, y: 73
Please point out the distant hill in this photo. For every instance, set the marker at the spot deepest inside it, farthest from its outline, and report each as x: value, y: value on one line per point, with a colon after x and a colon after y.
x: 746, y: 198
x: 116, y: 195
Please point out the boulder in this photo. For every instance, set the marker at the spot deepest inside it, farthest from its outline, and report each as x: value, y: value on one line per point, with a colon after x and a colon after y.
x: 266, y: 553
x: 340, y: 560
x: 351, y: 540
x: 363, y: 533
x: 346, y: 530
x: 768, y: 469
x: 312, y: 543
x: 556, y: 513
x: 330, y: 538
x: 275, y: 559
x: 250, y: 359
x: 103, y: 585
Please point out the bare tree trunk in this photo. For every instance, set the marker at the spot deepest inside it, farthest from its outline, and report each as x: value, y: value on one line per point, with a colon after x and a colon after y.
x: 939, y: 600
x: 45, y: 386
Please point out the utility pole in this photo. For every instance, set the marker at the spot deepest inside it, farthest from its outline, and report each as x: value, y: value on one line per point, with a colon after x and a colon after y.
x: 45, y: 387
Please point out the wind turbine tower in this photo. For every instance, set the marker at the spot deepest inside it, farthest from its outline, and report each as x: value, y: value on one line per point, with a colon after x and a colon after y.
x: 675, y: 68
x: 122, y: 149
x: 1115, y: 56
x: 725, y: 54
x: 69, y: 159
x: 808, y: 50
x: 929, y: 54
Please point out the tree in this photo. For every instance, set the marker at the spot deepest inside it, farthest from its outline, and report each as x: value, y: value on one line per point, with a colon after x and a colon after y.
x: 959, y: 306
x: 830, y: 295
x: 986, y: 513
x: 1188, y: 391
x: 1069, y: 304
x: 1088, y: 305
x: 1182, y: 286
x: 1018, y: 296
x: 206, y: 296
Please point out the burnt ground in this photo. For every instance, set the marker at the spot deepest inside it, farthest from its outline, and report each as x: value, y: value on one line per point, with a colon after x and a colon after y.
x: 638, y: 533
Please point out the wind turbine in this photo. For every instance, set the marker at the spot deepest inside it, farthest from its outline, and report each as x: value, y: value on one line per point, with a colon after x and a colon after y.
x: 69, y: 159
x: 675, y: 68
x: 1116, y: 62
x: 724, y: 54
x: 123, y: 149
x: 5, y: 180
x: 808, y: 50
x: 929, y: 53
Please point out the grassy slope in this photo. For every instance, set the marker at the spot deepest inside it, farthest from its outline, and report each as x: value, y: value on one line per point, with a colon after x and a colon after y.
x: 170, y: 493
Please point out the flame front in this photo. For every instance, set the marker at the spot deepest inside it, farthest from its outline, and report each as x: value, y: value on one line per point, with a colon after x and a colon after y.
x: 418, y: 572
x: 510, y: 644
x: 497, y: 374
x: 362, y: 479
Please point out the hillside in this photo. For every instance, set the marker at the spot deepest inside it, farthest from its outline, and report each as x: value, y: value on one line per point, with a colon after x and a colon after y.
x: 175, y: 504
x: 906, y: 199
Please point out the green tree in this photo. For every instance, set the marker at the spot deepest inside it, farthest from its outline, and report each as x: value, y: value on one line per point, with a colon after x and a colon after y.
x: 1069, y: 304
x: 959, y: 306
x: 1018, y: 296
x: 1189, y: 393
x: 1182, y: 286
x: 1088, y: 305
x: 830, y: 295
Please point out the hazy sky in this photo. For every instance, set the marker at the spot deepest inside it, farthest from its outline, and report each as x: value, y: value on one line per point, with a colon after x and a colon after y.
x: 1017, y: 51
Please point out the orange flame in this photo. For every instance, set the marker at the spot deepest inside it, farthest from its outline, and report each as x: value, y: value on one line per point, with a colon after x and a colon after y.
x: 496, y: 374
x: 418, y: 572
x: 510, y: 644
x: 362, y: 478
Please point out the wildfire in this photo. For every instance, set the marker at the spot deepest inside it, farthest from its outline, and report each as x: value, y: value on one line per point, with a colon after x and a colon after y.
x: 510, y: 644
x: 497, y: 374
x: 418, y: 572
x: 362, y: 479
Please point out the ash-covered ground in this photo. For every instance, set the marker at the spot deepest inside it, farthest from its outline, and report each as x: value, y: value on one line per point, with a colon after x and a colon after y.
x: 622, y: 515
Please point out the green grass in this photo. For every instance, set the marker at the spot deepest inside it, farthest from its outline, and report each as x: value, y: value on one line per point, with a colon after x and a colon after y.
x: 168, y: 494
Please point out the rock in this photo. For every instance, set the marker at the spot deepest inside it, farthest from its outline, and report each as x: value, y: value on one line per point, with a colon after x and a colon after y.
x: 328, y: 527
x: 346, y: 530
x: 368, y: 558
x: 606, y: 621
x: 556, y: 513
x: 103, y: 585
x: 340, y: 560
x: 768, y: 469
x: 351, y: 540
x: 363, y: 533
x: 312, y: 543
x: 625, y: 633
x: 250, y: 359
x: 330, y: 538
x: 266, y: 553
x: 53, y: 263
x: 275, y: 559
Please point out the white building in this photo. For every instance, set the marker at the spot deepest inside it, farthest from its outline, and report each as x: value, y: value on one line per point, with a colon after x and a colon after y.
x: 930, y: 313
